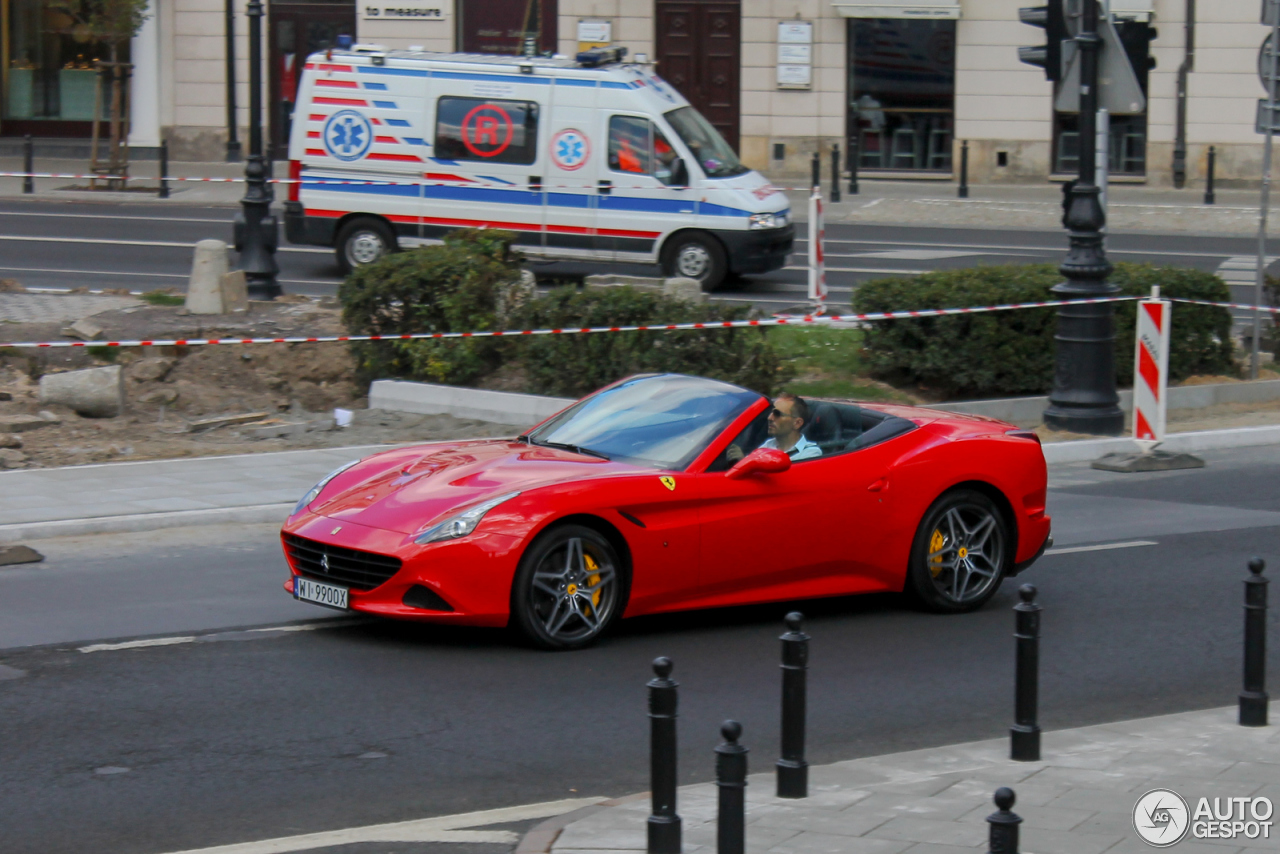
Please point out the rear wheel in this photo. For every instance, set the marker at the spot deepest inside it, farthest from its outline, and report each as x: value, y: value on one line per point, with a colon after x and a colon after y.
x: 363, y: 241
x: 697, y: 256
x: 960, y: 552
x: 568, y: 589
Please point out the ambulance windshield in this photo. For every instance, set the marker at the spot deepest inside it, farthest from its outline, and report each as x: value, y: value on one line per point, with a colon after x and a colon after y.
x: 713, y: 154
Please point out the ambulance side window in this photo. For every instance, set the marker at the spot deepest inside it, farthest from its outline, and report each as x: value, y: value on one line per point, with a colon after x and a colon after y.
x: 638, y: 148
x: 486, y: 130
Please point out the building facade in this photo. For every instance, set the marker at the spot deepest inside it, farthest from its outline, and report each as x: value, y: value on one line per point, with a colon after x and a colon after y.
x: 897, y: 83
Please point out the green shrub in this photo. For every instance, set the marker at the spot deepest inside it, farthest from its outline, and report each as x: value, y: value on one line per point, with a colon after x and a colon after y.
x: 572, y: 365
x: 454, y: 287
x: 1011, y: 352
x: 162, y: 298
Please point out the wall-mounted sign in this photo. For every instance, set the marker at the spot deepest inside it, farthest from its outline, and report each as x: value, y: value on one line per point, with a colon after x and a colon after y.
x: 795, y: 55
x: 594, y: 34
x: 401, y: 10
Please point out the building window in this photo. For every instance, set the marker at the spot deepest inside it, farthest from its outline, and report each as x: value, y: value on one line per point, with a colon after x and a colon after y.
x: 486, y: 130
x: 902, y: 85
x: 48, y: 66
x: 1127, y: 142
x: 507, y: 26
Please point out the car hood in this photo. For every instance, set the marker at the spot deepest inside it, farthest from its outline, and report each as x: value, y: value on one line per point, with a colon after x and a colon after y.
x: 407, y: 489
x: 753, y: 193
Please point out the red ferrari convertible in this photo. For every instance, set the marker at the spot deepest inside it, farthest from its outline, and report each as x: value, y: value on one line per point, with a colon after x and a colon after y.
x: 664, y: 493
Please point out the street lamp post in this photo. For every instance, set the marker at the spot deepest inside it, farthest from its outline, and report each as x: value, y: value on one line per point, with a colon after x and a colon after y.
x: 233, y: 141
x: 256, y: 227
x: 1084, y: 398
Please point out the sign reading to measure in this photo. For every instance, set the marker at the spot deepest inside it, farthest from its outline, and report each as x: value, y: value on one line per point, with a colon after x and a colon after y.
x: 401, y: 10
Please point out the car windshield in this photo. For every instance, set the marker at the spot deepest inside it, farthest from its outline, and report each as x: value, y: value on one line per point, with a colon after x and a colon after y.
x: 664, y: 421
x: 713, y: 154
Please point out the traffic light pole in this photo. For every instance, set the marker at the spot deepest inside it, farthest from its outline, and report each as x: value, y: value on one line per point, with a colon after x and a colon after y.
x: 1084, y: 398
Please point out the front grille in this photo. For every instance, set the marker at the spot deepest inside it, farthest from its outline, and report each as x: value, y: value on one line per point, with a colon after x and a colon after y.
x: 321, y: 561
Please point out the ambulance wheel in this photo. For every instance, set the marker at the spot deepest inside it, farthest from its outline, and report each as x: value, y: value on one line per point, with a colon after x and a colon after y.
x: 363, y: 241
x: 697, y: 256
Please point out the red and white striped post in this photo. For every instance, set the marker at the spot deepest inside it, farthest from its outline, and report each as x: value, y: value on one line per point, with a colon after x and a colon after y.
x: 817, y: 253
x: 1151, y: 370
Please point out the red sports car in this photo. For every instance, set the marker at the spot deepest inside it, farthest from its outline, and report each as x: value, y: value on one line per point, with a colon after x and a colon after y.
x: 669, y: 492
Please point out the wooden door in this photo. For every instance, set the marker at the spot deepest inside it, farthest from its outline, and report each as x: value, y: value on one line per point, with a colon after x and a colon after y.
x: 699, y: 49
x: 297, y: 31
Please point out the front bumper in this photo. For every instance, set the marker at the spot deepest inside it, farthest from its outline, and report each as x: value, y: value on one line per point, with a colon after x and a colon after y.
x: 472, y: 575
x: 758, y: 251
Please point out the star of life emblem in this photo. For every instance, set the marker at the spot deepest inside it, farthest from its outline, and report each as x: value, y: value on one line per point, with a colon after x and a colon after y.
x: 347, y: 135
x: 570, y: 149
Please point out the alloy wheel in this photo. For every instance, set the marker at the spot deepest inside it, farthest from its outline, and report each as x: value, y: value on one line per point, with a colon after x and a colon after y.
x: 575, y: 589
x: 693, y: 261
x: 365, y: 247
x: 966, y: 553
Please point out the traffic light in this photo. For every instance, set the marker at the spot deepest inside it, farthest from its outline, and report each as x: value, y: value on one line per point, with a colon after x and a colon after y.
x: 1052, y: 19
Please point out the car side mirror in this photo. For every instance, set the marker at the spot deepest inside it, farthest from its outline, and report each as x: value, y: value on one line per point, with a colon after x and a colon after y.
x: 760, y: 461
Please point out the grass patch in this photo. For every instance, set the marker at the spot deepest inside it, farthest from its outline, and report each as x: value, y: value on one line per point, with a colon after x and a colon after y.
x: 851, y: 389
x: 104, y: 354
x: 817, y: 348
x: 163, y: 298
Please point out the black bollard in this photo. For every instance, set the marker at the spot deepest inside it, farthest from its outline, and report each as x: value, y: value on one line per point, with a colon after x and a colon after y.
x: 816, y: 168
x: 1002, y: 835
x: 164, y: 169
x: 1209, y: 198
x: 963, y: 192
x: 1253, y: 699
x: 664, y: 824
x: 853, y: 165
x: 731, y: 778
x: 793, y: 770
x: 1024, y: 736
x: 28, y: 165
x: 835, y: 172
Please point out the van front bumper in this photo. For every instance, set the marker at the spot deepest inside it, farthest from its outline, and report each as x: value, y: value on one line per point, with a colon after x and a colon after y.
x: 307, y: 230
x: 758, y: 251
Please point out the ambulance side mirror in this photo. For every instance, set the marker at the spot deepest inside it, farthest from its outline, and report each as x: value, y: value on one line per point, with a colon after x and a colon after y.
x: 679, y: 174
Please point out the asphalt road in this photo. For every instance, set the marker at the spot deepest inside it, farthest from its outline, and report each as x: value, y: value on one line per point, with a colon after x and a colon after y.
x: 59, y: 244
x: 229, y: 734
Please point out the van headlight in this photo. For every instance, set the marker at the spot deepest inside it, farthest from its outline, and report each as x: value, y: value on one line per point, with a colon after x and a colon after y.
x: 766, y: 220
x: 461, y: 524
x: 315, y: 491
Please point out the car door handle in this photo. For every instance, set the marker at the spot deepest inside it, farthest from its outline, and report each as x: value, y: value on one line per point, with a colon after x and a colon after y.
x: 535, y: 183
x: 604, y: 187
x: 879, y: 486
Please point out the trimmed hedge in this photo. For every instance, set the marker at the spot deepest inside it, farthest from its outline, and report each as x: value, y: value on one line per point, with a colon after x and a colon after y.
x: 1011, y: 352
x: 454, y: 287
x: 573, y: 365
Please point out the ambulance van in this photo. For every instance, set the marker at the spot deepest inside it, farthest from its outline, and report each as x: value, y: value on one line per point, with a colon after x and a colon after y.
x: 585, y: 159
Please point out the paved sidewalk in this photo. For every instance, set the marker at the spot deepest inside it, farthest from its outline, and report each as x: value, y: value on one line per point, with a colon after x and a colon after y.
x: 1079, y: 800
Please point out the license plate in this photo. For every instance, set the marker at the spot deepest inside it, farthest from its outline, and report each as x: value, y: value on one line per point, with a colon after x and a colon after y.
x: 329, y: 595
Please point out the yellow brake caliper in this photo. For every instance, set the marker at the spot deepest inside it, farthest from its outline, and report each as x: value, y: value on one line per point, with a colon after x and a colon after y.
x: 592, y: 580
x: 935, y: 548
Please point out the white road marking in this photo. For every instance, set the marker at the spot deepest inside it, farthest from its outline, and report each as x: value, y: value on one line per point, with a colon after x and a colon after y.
x: 138, y: 644
x: 97, y: 241
x: 1101, y: 548
x: 1163, y: 252
x: 440, y: 829
x: 915, y: 254
x: 113, y: 216
x: 885, y: 270
x: 37, y: 290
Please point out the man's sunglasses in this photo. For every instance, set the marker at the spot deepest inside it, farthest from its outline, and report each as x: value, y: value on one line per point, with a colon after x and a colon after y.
x: 778, y: 413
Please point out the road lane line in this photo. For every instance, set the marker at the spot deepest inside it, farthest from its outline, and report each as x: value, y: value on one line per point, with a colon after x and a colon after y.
x: 163, y: 244
x: 1168, y: 252
x: 138, y: 644
x: 227, y: 221
x: 445, y: 828
x: 218, y: 635
x: 885, y: 270
x: 1101, y: 548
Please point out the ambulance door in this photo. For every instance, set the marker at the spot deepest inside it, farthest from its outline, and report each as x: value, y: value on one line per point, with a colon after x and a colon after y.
x: 648, y: 194
x: 485, y: 170
x: 573, y: 168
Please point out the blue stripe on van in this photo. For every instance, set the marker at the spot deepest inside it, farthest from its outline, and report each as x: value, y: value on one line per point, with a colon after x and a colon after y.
x: 613, y: 84
x: 506, y: 78
x: 382, y: 87
x: 526, y: 197
x: 444, y: 162
x: 566, y: 81
x: 498, y: 180
x: 385, y: 105
x: 393, y: 72
x: 415, y: 140
x: 397, y: 123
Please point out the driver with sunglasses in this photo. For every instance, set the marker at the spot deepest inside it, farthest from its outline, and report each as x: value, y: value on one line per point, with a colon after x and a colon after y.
x: 786, y: 419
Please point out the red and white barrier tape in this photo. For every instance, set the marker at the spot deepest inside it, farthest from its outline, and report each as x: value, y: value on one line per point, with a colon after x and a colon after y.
x: 515, y: 333
x: 1267, y: 308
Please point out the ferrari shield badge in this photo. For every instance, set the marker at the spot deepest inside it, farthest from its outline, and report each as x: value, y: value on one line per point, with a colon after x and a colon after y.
x: 668, y: 482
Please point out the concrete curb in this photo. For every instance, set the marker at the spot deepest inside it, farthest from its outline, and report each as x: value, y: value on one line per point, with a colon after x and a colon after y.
x: 499, y: 407
x: 253, y: 513
x: 1187, y: 443
x: 540, y: 839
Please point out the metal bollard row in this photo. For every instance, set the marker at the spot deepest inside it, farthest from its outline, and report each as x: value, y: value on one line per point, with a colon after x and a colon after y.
x: 664, y: 823
x: 731, y: 783
x: 793, y: 770
x: 1253, y: 699
x: 1024, y: 736
x: 28, y: 165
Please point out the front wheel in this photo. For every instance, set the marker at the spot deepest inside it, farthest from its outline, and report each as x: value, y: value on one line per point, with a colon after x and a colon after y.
x: 568, y: 589
x: 697, y: 256
x: 960, y: 553
x: 362, y: 241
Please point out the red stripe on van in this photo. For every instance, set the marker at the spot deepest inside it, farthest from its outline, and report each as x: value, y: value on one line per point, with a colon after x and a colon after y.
x: 387, y: 139
x: 342, y: 102
x: 441, y: 176
x: 569, y: 229
x: 401, y: 158
x: 622, y: 232
x: 317, y: 117
x: 327, y: 214
x: 482, y: 223
x: 324, y: 66
x: 317, y: 152
x: 339, y: 84
x: 313, y: 134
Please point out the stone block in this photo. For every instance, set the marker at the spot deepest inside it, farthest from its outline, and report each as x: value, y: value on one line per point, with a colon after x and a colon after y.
x: 235, y: 293
x: 92, y: 392
x: 680, y: 287
x: 23, y: 423
x: 151, y: 369
x: 208, y: 268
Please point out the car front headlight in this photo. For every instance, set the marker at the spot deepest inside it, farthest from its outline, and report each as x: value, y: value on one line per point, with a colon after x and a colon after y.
x: 315, y: 491
x: 461, y: 524
x: 763, y: 220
